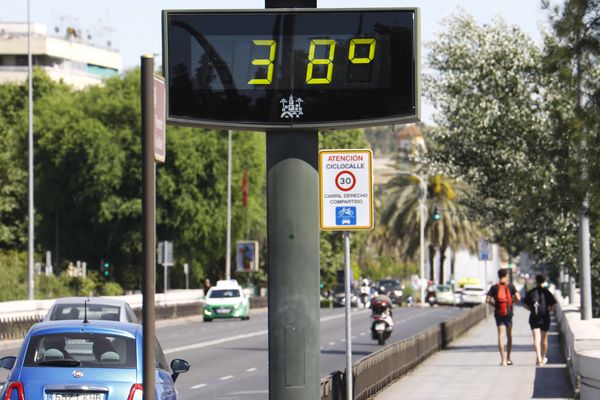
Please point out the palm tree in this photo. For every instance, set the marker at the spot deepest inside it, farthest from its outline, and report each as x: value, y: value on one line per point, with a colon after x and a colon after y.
x: 453, y: 230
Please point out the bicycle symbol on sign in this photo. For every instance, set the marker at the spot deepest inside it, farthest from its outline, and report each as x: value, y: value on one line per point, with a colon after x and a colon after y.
x: 345, y: 215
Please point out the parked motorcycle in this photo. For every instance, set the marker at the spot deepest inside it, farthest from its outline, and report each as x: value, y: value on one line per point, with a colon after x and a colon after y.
x: 381, y: 314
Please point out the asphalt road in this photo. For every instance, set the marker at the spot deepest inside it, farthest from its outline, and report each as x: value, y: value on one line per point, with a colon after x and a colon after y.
x: 229, y: 358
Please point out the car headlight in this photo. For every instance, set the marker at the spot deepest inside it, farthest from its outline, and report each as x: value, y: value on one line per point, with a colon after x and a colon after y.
x: 207, y: 311
x: 398, y: 293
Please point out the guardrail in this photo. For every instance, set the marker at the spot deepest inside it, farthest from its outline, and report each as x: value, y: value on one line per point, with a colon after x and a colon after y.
x: 374, y: 372
x: 14, y: 325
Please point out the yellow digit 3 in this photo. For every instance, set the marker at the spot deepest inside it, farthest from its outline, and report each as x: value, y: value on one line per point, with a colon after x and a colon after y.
x: 264, y: 61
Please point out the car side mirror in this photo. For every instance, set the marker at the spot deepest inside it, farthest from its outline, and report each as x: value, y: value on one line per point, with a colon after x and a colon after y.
x: 179, y: 366
x: 8, y: 362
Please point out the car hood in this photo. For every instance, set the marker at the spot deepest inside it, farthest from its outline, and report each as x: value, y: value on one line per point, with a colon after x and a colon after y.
x: 38, y: 381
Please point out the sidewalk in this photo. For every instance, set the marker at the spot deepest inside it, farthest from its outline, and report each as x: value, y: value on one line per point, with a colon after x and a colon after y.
x: 470, y: 368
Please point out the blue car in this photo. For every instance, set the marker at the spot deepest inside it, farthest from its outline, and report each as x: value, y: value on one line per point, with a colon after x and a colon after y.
x: 91, y: 360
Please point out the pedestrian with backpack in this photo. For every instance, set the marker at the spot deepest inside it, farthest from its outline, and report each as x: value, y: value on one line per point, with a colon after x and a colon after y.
x: 502, y: 295
x: 539, y: 301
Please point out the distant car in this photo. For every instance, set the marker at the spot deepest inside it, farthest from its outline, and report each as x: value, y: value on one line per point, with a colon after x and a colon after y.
x: 92, y: 308
x: 94, y: 360
x: 472, y: 295
x: 444, y: 295
x: 391, y: 288
x: 226, y: 300
x: 339, y: 297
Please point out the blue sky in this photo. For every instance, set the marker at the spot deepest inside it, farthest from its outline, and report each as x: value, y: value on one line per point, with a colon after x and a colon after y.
x: 134, y: 26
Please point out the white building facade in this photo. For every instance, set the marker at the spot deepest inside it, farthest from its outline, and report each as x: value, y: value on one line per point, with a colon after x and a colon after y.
x: 69, y: 58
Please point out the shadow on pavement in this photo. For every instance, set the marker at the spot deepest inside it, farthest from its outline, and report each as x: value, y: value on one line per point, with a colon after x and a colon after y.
x: 488, y: 348
x: 549, y: 383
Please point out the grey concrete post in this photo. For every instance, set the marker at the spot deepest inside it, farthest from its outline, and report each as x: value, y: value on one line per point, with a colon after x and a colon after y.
x: 293, y: 265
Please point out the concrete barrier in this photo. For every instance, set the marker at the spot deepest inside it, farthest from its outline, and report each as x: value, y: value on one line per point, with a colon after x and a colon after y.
x: 581, y: 342
x: 16, y: 317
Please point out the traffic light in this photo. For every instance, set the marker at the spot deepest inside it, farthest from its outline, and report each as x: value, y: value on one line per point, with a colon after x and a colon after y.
x: 105, y: 268
x: 436, y: 214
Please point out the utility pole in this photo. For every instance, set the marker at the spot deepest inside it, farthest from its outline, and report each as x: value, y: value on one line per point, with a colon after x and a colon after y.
x: 585, y: 270
x: 149, y: 226
x: 422, y: 216
x: 228, y: 250
x: 31, y: 214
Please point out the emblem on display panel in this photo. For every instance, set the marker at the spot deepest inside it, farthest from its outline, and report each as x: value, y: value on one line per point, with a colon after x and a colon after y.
x: 291, y: 108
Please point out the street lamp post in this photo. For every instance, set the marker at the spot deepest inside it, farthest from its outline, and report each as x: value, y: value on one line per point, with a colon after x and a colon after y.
x: 422, y: 216
x: 422, y: 220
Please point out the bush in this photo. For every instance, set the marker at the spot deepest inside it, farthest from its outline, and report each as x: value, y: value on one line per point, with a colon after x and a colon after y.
x: 111, y: 289
x: 326, y: 303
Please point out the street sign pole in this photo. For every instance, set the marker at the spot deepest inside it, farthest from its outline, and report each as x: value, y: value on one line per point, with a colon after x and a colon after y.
x: 149, y: 226
x: 348, y: 305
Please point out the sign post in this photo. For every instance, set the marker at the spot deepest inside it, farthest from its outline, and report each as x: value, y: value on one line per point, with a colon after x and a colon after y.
x: 346, y: 203
x: 484, y: 248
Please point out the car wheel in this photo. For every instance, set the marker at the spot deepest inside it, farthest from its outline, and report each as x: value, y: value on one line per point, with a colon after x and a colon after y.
x: 207, y: 319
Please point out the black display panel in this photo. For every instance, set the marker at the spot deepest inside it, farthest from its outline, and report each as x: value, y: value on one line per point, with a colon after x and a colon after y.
x: 281, y: 68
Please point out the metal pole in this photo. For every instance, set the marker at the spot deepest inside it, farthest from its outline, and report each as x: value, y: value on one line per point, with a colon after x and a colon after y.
x: 149, y: 226
x: 585, y: 270
x: 485, y: 285
x: 165, y: 278
x: 585, y: 273
x: 228, y: 251
x: 348, y: 305
x: 31, y: 231
x: 293, y: 265
x: 422, y: 216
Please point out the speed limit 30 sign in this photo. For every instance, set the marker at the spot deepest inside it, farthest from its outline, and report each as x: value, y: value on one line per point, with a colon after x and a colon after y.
x: 346, y: 189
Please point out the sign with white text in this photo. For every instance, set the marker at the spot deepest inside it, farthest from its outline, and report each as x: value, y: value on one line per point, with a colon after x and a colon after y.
x: 346, y: 189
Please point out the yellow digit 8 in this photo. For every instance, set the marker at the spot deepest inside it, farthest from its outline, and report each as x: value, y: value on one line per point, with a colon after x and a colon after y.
x: 312, y: 61
x: 263, y: 61
x: 361, y: 60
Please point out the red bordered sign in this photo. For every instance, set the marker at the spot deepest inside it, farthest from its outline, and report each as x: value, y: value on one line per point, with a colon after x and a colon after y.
x: 346, y: 189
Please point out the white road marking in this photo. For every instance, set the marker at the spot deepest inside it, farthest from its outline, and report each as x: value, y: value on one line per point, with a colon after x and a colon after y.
x: 214, y: 342
x: 363, y: 333
x: 331, y: 343
x: 251, y: 369
x: 224, y: 378
x: 208, y: 343
x: 198, y: 386
x: 249, y: 392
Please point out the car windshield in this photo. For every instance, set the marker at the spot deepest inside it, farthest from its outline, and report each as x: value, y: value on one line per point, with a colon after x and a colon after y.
x: 443, y: 289
x: 78, y: 311
x: 87, y: 350
x: 473, y: 289
x: 224, y: 293
x: 389, y: 285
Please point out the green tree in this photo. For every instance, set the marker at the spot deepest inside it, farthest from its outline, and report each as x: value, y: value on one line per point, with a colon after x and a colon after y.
x: 572, y: 52
x: 455, y: 229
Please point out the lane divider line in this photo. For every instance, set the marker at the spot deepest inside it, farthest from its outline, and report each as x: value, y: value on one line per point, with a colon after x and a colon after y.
x: 251, y: 369
x: 214, y: 342
x: 198, y: 386
x: 224, y: 378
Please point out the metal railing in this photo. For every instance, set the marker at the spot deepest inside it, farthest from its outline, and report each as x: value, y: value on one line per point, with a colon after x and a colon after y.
x: 376, y: 371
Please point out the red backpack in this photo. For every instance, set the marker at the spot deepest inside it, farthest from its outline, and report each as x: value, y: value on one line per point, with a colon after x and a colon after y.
x: 503, y: 300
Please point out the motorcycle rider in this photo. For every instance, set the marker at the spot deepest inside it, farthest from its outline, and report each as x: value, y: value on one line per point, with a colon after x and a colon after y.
x: 381, y: 311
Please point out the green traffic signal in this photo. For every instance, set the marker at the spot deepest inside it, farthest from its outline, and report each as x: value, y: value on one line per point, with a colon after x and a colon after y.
x: 106, y: 268
x: 436, y: 214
